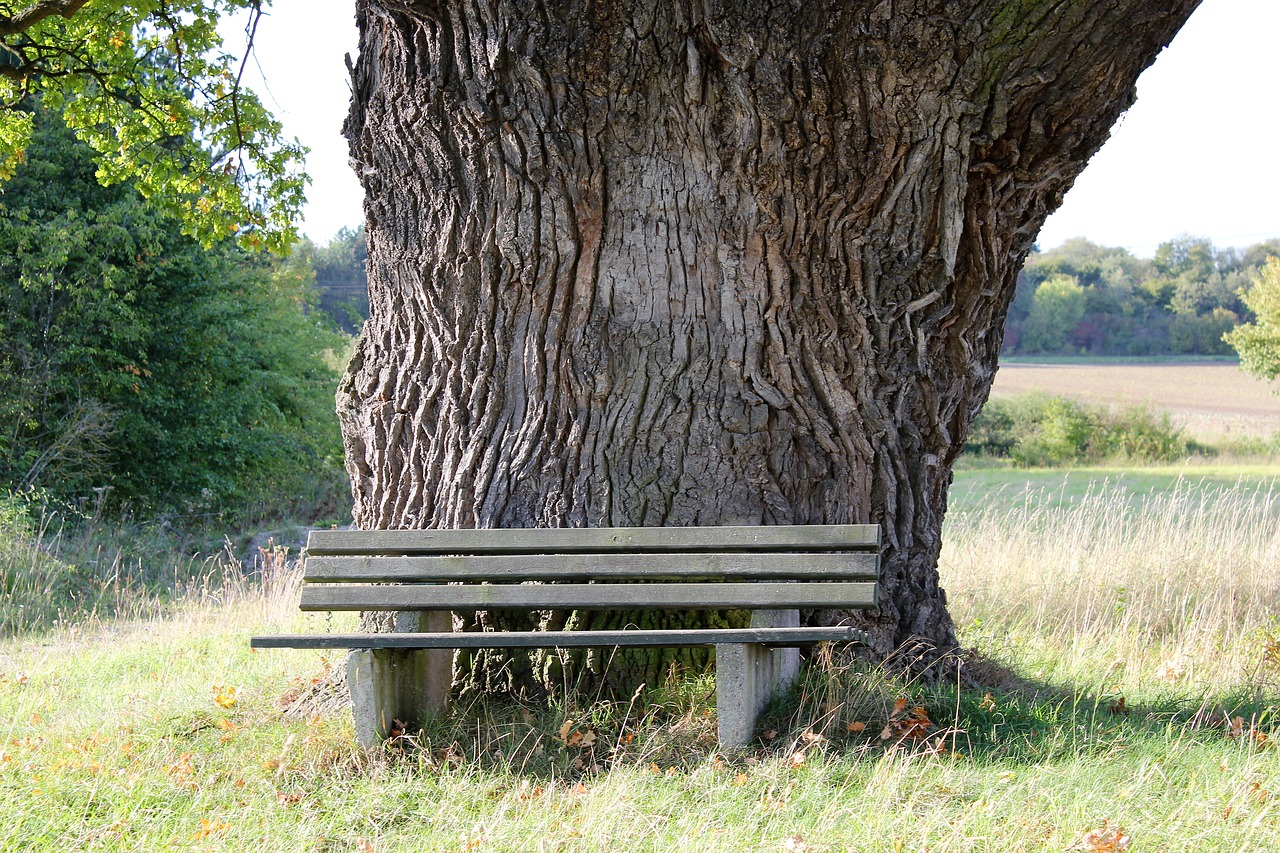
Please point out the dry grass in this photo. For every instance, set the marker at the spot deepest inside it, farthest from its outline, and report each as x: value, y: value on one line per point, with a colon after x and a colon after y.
x: 1179, y: 589
x: 1212, y: 401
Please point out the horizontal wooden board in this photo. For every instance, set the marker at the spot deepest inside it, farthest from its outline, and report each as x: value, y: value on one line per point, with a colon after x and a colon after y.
x: 583, y: 540
x: 599, y: 596
x: 827, y: 566
x: 561, y: 639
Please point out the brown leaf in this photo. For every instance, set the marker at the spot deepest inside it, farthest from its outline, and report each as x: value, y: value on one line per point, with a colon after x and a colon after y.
x: 988, y: 702
x: 1108, y: 838
x: 795, y: 844
x: 856, y: 727
x: 1118, y: 707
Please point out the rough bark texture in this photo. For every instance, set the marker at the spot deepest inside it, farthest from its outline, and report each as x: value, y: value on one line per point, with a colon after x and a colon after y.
x: 683, y: 262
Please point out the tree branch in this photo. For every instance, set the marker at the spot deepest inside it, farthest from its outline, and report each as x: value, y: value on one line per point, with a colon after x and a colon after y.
x: 29, y: 17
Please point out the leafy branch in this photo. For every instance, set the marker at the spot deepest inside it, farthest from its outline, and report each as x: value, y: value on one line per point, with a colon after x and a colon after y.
x: 149, y: 85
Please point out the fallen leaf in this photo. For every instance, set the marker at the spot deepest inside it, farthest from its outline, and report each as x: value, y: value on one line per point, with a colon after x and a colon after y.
x: 1174, y: 668
x: 224, y: 697
x: 1108, y: 838
x: 795, y: 844
x: 740, y: 780
x: 797, y: 758
x: 565, y: 728
x: 988, y: 702
x: 856, y: 727
x: 1118, y: 708
x: 364, y: 845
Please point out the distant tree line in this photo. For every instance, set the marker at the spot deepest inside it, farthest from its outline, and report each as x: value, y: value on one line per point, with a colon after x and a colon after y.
x: 1081, y: 298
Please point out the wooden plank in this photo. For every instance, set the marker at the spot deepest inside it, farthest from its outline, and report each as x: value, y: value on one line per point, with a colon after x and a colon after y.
x: 601, y: 596
x: 571, y: 567
x: 560, y: 639
x: 581, y: 540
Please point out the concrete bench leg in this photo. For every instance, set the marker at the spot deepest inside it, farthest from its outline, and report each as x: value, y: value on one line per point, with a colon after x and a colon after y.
x: 748, y: 675
x: 786, y: 662
x: 409, y: 685
x: 744, y: 672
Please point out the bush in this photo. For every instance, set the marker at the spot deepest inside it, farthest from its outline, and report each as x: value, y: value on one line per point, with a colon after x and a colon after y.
x: 186, y: 380
x: 1036, y: 430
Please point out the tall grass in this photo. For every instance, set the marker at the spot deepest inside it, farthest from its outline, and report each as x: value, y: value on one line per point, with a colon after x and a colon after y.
x: 166, y: 732
x: 1177, y: 586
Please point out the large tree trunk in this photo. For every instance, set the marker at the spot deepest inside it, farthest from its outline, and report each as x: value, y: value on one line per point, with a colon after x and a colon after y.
x: 692, y: 262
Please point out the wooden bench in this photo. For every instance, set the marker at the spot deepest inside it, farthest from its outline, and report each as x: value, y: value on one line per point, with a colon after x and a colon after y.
x: 423, y: 575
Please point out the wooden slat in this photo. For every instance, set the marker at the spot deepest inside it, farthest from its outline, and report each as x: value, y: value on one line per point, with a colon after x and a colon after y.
x: 602, y: 596
x: 560, y: 639
x: 571, y: 567
x: 816, y: 537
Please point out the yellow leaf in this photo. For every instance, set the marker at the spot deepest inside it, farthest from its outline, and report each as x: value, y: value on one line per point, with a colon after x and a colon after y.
x: 224, y: 697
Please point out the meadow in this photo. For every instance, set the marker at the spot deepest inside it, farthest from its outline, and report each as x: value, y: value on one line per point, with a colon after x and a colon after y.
x: 1119, y: 692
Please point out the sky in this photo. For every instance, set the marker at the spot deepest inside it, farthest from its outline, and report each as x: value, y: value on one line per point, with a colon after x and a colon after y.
x: 1199, y: 153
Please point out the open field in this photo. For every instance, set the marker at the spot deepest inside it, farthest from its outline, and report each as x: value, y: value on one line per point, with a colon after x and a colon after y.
x: 1212, y: 400
x: 978, y: 489
x: 1125, y: 684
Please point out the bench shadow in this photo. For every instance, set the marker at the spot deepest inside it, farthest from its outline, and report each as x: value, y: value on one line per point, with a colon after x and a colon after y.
x: 988, y: 710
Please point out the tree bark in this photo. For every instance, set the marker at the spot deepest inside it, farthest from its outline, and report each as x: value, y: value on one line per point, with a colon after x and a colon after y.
x: 695, y: 262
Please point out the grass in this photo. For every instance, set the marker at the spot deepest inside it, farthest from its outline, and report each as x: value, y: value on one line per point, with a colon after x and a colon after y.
x: 1124, y: 673
x: 979, y: 487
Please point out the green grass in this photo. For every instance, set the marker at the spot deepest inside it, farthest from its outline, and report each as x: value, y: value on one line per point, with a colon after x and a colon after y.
x: 977, y: 487
x: 1108, y: 664
x: 1120, y: 359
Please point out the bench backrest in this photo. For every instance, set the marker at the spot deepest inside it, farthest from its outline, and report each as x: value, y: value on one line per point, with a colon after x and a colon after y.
x: 805, y: 566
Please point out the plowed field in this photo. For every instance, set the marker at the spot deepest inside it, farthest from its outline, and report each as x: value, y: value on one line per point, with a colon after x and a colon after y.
x: 1210, y: 400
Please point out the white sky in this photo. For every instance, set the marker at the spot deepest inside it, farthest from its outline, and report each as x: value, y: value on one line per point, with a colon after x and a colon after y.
x: 1199, y: 153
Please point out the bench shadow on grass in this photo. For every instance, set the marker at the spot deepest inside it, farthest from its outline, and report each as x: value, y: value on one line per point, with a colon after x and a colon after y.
x: 988, y: 712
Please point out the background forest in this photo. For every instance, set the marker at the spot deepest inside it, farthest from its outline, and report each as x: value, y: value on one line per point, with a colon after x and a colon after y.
x: 1085, y: 299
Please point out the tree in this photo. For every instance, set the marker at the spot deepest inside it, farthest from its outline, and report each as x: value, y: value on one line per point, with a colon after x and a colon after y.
x: 1057, y: 307
x: 131, y: 357
x: 1258, y: 343
x: 149, y: 86
x: 697, y: 263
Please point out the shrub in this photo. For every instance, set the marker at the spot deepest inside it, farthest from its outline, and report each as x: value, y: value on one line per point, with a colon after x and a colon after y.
x: 1036, y: 430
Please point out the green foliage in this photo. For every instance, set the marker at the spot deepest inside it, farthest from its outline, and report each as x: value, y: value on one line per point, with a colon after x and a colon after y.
x: 1259, y: 342
x: 130, y: 357
x: 1057, y: 307
x: 1180, y: 302
x: 149, y: 85
x: 341, y: 279
x: 1040, y: 431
